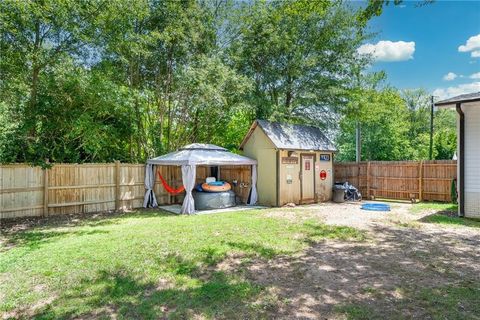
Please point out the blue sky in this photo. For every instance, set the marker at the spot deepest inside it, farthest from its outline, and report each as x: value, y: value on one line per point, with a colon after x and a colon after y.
x: 431, y: 35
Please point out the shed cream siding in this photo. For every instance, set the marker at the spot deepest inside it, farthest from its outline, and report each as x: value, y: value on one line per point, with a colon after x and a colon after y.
x: 260, y: 148
x: 472, y: 159
x: 323, y: 188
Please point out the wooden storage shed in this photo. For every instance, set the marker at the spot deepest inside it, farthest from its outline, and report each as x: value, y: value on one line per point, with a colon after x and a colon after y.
x: 295, y: 162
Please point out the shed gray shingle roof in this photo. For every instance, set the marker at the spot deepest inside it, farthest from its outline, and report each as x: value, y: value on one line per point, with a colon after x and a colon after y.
x: 461, y: 98
x: 293, y: 136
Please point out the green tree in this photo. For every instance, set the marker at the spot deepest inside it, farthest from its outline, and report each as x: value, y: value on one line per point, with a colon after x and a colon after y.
x: 177, y: 64
x: 383, y: 117
x: 40, y: 41
x: 444, y: 138
x: 395, y: 125
x: 301, y: 56
x: 445, y: 135
x: 418, y: 104
x: 375, y: 7
x: 98, y: 81
x: 126, y: 80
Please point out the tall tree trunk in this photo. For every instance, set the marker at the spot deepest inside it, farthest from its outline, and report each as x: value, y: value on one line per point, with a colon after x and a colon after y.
x: 288, y: 101
x: 288, y: 96
x: 161, y: 112
x: 32, y: 104
x: 169, y: 123
x: 195, y: 126
x: 31, y: 112
x: 168, y: 93
x: 139, y: 130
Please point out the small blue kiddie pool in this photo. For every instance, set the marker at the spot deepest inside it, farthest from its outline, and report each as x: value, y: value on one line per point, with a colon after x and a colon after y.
x: 375, y: 206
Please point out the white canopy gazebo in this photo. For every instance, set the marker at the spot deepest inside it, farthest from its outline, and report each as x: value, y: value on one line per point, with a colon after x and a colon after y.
x: 189, y: 157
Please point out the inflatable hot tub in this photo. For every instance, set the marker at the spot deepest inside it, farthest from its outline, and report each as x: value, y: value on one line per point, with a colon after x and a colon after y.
x: 214, y: 200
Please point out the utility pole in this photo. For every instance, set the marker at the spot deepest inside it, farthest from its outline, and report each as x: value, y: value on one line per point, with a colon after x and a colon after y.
x: 358, y: 142
x: 431, y: 128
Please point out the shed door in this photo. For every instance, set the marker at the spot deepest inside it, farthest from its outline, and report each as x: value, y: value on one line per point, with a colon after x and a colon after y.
x: 308, y: 175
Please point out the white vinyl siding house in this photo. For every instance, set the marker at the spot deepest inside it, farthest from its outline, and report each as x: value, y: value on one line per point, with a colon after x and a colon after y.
x: 468, y: 151
x: 472, y: 159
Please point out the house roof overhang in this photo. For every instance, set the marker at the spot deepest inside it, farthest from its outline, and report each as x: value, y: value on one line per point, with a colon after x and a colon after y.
x: 462, y: 99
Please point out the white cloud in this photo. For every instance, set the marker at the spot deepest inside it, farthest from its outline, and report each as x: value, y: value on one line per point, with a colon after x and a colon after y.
x: 389, y: 51
x: 450, y: 76
x: 472, y: 45
x: 444, y: 93
x: 475, y: 76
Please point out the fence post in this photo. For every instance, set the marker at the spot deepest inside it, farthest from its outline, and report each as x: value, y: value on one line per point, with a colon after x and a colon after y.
x: 45, y: 192
x: 368, y: 180
x: 420, y: 181
x: 117, y: 185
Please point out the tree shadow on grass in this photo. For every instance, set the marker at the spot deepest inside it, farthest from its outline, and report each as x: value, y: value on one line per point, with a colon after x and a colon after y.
x: 453, y: 209
x: 450, y: 220
x: 260, y: 250
x: 121, y: 293
x: 35, y: 239
x: 34, y: 232
x: 314, y: 232
x: 75, y: 220
x: 448, y: 209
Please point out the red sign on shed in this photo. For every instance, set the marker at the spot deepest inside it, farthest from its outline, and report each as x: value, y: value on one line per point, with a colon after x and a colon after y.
x: 323, y: 175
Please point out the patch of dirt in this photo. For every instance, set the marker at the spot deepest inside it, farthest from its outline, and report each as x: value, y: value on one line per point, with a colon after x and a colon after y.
x: 383, y: 273
x: 29, y: 312
x: 345, y: 214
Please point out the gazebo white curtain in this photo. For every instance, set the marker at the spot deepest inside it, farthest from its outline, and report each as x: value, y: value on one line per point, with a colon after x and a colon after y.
x: 188, y: 158
x: 150, y: 201
x: 253, y: 192
x: 189, y: 175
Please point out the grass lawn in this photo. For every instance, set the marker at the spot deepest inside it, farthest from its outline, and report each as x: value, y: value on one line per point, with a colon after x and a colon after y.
x: 452, y: 221
x: 435, y: 206
x: 254, y: 264
x: 147, y: 264
x: 444, y: 214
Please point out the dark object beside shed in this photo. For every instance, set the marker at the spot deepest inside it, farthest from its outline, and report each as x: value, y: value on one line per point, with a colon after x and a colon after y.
x: 339, y: 193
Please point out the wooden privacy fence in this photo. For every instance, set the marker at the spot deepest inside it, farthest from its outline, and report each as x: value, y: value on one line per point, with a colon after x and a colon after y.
x: 82, y: 188
x: 421, y: 180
